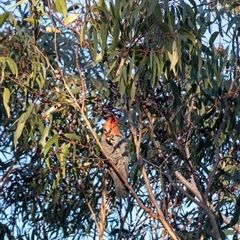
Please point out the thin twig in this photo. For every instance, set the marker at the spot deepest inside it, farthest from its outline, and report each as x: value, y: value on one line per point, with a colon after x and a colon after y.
x: 137, y: 141
x: 204, y: 205
x: 103, y: 207
x: 217, y: 153
x: 158, y: 216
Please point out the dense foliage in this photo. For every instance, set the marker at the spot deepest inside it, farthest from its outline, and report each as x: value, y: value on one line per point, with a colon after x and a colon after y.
x: 169, y: 70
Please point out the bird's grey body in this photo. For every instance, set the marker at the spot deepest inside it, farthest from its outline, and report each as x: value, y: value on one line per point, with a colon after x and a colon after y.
x: 116, y: 150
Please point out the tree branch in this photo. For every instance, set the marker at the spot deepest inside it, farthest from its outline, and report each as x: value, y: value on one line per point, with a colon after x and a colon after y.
x: 137, y: 141
x: 207, y: 207
x: 103, y: 207
x: 217, y: 153
x: 160, y: 216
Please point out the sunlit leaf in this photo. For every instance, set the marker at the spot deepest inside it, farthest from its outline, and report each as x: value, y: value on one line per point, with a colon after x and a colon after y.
x: 3, y: 18
x: 61, y: 7
x: 31, y: 20
x: 173, y: 57
x: 70, y: 19
x: 6, y: 98
x: 52, y: 29
x: 19, y: 3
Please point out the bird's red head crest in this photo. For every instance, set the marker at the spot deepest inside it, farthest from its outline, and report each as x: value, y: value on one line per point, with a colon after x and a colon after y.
x: 110, y: 127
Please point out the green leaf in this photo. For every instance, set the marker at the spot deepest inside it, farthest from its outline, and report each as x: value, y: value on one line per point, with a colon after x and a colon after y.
x: 71, y: 19
x: 138, y: 8
x: 31, y: 20
x: 233, y: 21
x: 118, y: 9
x: 209, y: 113
x: 21, y: 123
x: 170, y: 19
x: 173, y: 57
x: 202, y: 109
x: 218, y: 76
x: 3, y: 18
x: 187, y: 34
x: 63, y: 158
x: 152, y: 7
x: 208, y: 95
x: 18, y: 3
x: 104, y: 36
x: 143, y: 62
x: 56, y: 197
x: 122, y: 86
x: 61, y: 7
x: 47, y: 161
x: 154, y: 70
x: 49, y: 143
x: 133, y: 91
x: 112, y: 9
x: 213, y: 38
x: 179, y: 53
x: 44, y: 135
x: 72, y: 136
x: 52, y: 29
x: 164, y: 27
x: 6, y: 97
x: 12, y: 65
x: 193, y: 2
x: 229, y: 167
x: 124, y: 74
x: 95, y: 45
x: 116, y: 31
x: 54, y: 185
x: 176, y: 92
x: 131, y: 65
x: 159, y: 65
x: 111, y: 67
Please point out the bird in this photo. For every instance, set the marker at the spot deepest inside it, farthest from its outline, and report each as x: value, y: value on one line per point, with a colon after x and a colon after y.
x: 115, y: 146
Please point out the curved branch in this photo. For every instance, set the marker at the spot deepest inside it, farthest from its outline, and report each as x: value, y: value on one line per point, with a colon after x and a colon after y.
x: 137, y: 142
x: 203, y: 205
x: 103, y: 207
x: 158, y: 216
x: 217, y: 153
x: 207, y: 207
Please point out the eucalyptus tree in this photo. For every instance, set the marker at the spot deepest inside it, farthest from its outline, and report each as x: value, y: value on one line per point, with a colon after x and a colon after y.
x: 168, y: 70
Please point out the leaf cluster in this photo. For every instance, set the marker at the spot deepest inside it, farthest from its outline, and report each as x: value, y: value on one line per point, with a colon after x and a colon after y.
x: 155, y: 65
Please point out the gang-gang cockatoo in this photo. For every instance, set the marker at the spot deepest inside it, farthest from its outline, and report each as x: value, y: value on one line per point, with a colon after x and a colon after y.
x: 115, y: 146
